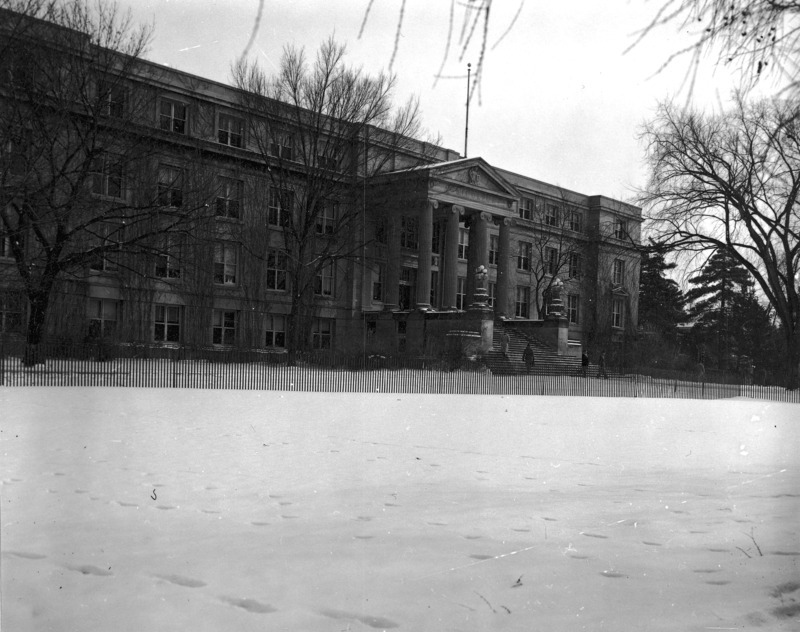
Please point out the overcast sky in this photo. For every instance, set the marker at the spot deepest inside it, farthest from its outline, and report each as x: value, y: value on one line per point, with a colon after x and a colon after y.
x: 560, y: 100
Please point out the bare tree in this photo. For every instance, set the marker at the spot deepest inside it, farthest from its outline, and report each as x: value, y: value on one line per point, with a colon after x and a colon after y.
x: 467, y: 25
x: 731, y: 182
x: 759, y: 37
x: 321, y: 128
x: 82, y: 189
x: 557, y: 253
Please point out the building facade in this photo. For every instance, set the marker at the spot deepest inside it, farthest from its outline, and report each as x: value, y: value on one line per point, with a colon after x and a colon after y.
x: 416, y: 231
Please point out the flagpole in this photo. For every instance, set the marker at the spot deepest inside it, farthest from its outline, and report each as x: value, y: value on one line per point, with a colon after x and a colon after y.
x: 466, y: 125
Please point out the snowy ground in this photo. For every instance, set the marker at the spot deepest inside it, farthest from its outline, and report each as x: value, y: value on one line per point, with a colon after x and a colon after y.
x: 132, y: 509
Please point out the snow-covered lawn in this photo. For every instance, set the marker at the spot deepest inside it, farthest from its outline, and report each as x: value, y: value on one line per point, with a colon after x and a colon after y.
x: 134, y: 509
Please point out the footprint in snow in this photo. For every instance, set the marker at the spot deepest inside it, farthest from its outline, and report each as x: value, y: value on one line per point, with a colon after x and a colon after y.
x: 88, y: 569
x: 373, y: 622
x: 251, y: 605
x: 27, y: 556
x: 178, y: 580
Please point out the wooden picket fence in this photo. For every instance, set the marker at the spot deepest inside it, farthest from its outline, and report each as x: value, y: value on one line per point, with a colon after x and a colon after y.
x: 207, y: 368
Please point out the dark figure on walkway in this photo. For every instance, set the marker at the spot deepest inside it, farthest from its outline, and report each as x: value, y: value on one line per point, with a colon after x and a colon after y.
x: 585, y: 364
x: 700, y: 371
x: 504, y: 340
x: 601, y: 371
x: 528, y: 358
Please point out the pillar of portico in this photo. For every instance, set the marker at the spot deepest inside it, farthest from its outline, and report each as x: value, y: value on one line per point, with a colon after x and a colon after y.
x: 504, y: 288
x: 478, y: 249
x: 450, y: 285
x: 425, y: 253
x: 391, y: 300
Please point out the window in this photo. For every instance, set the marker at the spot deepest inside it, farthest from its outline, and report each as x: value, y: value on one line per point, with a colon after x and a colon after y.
x: 526, y: 207
x: 6, y: 249
x: 436, y: 238
x: 402, y: 335
x: 170, y: 186
x: 322, y: 333
x: 223, y: 331
x: 492, y: 291
x: 461, y: 292
x: 576, y: 221
x: 276, y: 269
x: 112, y: 99
x: 172, y: 116
x: 377, y: 283
x: 326, y: 218
x: 524, y: 256
x: 167, y: 323
x: 550, y: 262
x: 229, y: 198
x: 108, y: 239
x: 106, y: 174
x: 494, y: 250
x: 282, y: 146
x: 620, y: 229
x: 11, y: 312
x: 522, y: 303
x: 276, y: 331
x: 281, y: 204
x: 167, y: 263
x: 16, y: 150
x: 551, y: 215
x: 225, y: 264
x: 572, y: 308
x: 102, y: 318
x: 618, y: 312
x: 463, y: 243
x: 323, y: 282
x: 434, y: 287
x: 408, y: 280
x: 327, y: 162
x: 230, y: 130
x: 618, y: 273
x: 574, y: 265
x: 409, y: 232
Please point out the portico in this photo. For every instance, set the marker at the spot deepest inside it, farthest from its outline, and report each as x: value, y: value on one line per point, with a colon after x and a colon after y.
x: 454, y: 208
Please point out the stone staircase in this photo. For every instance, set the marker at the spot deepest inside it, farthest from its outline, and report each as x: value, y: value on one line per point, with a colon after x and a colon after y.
x: 548, y: 362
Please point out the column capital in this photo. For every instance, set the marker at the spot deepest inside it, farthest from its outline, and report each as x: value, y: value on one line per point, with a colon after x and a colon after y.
x: 457, y: 208
x: 508, y: 221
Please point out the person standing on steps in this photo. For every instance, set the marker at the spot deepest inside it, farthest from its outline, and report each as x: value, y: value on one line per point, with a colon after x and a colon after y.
x: 528, y: 358
x: 602, y: 366
x: 504, y: 340
x: 585, y: 364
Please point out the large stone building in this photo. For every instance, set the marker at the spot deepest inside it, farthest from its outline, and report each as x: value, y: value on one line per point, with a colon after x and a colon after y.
x: 418, y: 229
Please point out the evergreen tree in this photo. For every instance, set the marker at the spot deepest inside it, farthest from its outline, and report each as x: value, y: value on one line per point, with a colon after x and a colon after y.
x: 729, y: 319
x: 661, y: 301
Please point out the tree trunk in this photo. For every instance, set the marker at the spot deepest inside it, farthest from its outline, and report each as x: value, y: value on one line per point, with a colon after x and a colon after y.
x: 39, y: 303
x: 793, y: 377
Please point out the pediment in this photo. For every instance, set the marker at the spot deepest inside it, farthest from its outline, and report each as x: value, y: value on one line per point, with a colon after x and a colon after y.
x: 473, y: 173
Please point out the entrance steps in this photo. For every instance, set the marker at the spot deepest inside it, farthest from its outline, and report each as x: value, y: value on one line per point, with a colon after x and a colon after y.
x: 547, y: 360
